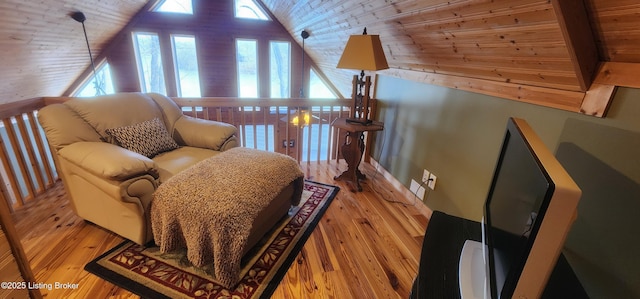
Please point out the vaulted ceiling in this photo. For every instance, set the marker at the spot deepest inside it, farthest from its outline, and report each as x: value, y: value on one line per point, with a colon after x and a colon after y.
x: 538, y: 43
x: 42, y: 50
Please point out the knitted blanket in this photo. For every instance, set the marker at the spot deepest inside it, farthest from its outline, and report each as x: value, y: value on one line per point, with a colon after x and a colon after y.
x: 209, y: 208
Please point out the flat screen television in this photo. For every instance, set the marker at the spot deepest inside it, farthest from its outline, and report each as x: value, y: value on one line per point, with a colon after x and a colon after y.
x: 531, y: 205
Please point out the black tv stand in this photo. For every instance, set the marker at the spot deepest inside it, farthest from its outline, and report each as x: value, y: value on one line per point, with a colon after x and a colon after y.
x: 438, y: 270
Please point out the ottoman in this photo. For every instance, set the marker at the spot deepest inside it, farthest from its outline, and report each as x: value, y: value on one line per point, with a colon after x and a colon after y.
x: 220, y: 207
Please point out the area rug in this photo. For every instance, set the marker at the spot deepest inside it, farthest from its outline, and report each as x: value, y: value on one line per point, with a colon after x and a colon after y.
x: 145, y: 271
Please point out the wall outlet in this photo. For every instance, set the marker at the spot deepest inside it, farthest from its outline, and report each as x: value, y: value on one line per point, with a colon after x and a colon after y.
x: 425, y: 176
x: 432, y: 183
x: 417, y: 189
x: 292, y: 143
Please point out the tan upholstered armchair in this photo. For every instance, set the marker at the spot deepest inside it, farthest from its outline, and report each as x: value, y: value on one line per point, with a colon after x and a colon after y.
x: 113, y: 151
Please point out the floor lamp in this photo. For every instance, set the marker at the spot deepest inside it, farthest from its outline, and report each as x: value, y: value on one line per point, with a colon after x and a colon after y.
x: 80, y: 17
x: 362, y: 52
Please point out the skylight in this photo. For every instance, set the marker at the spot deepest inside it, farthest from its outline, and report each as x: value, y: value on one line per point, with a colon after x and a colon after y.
x: 248, y: 9
x: 177, y: 6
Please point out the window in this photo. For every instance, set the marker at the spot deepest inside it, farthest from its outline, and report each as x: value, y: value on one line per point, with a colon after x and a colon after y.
x: 99, y: 84
x: 280, y: 73
x: 186, y: 63
x: 177, y: 6
x: 318, y: 89
x: 247, y: 9
x: 247, y: 62
x: 149, y: 60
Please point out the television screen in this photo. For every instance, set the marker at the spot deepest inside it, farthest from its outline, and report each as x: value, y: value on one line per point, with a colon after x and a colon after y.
x: 515, y: 203
x: 528, y: 212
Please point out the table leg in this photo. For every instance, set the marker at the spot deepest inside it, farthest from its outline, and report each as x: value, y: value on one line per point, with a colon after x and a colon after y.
x: 352, y: 151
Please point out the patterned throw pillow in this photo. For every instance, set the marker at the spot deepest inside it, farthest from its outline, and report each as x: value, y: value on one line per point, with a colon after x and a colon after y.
x: 147, y: 138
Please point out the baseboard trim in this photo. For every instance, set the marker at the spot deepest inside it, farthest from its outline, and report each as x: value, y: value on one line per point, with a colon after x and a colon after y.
x: 400, y: 187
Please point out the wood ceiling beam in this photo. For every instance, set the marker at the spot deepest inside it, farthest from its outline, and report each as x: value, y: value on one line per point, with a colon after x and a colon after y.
x: 619, y: 74
x: 576, y: 30
x: 548, y: 97
x: 594, y: 102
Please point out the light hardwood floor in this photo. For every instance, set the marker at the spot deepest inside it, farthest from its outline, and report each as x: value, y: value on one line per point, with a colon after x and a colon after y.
x: 364, y: 246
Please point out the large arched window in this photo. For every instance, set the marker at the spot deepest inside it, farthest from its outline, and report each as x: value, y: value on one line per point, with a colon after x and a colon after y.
x: 247, y: 9
x: 176, y: 6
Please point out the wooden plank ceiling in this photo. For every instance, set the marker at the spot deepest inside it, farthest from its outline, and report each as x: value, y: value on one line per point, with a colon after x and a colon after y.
x: 519, y: 42
x: 43, y: 50
x: 523, y: 43
x: 511, y: 41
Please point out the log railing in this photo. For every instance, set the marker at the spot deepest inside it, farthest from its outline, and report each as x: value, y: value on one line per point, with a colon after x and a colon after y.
x: 300, y: 128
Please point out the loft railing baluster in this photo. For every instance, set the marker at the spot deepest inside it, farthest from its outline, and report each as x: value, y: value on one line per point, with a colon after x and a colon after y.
x: 42, y: 150
x: 320, y: 124
x: 309, y: 132
x: 32, y: 164
x: 266, y: 120
x: 255, y: 127
x: 243, y: 126
x: 205, y: 113
x: 11, y: 174
x: 13, y: 140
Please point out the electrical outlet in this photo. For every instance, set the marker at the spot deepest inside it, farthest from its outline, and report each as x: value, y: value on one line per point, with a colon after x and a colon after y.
x: 292, y: 143
x: 425, y: 176
x: 417, y: 189
x: 432, y: 183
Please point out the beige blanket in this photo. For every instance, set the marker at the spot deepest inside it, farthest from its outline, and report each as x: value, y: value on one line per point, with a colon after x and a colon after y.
x: 210, y: 207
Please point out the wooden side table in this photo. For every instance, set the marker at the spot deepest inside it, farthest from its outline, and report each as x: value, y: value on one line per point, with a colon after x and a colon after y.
x: 353, y: 149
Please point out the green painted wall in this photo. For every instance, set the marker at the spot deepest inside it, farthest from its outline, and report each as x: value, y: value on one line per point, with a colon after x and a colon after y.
x: 457, y: 135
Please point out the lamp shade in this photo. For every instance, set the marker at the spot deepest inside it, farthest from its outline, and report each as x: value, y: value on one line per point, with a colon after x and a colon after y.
x: 363, y: 52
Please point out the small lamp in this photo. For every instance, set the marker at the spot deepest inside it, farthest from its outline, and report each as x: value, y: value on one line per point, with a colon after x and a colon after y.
x: 306, y: 117
x: 362, y: 52
x: 300, y: 117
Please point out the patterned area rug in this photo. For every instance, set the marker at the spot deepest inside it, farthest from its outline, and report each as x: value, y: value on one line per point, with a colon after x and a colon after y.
x: 148, y: 273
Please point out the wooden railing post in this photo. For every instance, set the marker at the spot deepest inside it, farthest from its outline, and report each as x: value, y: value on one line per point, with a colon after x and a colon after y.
x: 7, y: 226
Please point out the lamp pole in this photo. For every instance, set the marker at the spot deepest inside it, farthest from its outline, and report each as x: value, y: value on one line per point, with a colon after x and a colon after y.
x: 304, y: 35
x: 80, y: 17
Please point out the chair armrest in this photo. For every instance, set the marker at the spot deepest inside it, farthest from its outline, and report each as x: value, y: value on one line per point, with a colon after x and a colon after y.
x: 107, y: 160
x: 202, y: 133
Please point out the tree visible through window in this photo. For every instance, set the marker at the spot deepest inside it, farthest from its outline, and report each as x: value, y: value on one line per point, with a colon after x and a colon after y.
x: 247, y: 62
x: 100, y: 84
x: 280, y: 72
x: 186, y: 63
x: 149, y: 59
